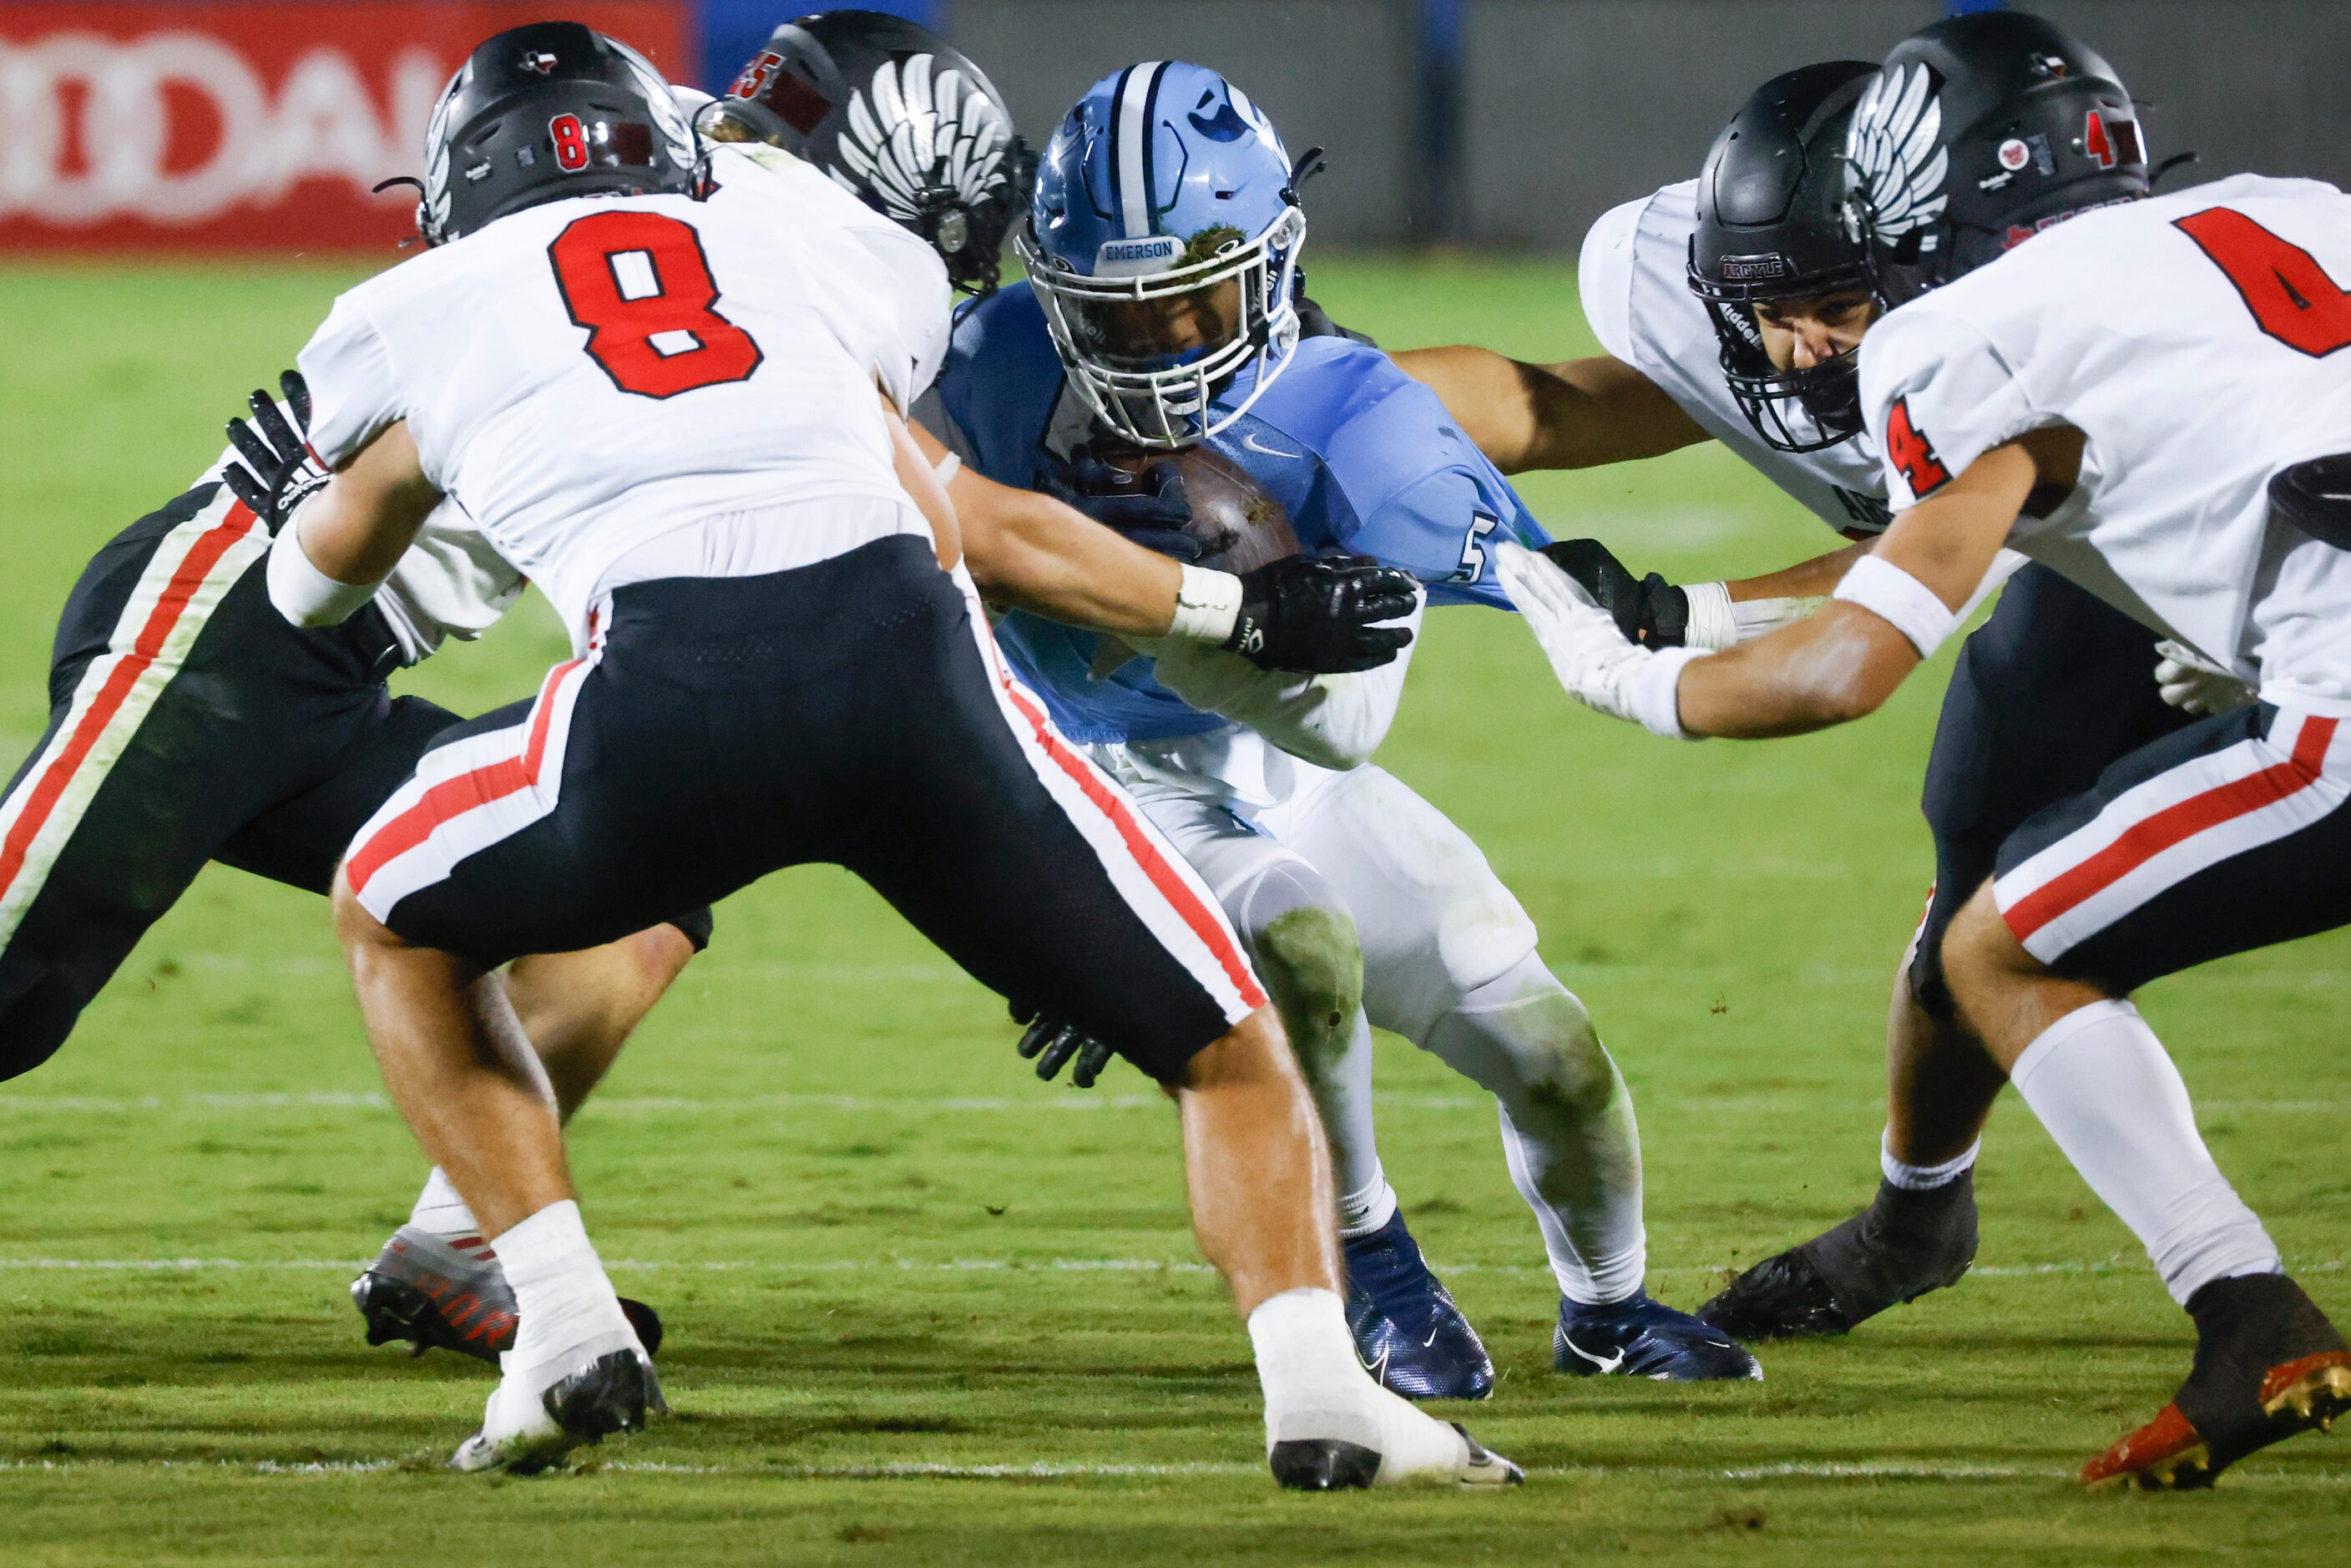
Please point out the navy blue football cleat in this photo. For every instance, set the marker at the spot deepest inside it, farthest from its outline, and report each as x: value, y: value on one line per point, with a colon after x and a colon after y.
x: 1637, y: 1337
x: 1411, y: 1337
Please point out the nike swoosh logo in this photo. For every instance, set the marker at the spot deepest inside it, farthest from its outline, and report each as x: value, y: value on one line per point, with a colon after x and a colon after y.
x: 1611, y: 1364
x: 1251, y: 441
x: 1378, y: 1369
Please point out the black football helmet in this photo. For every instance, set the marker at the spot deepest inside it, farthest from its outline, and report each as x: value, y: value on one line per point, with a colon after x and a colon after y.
x: 1771, y: 225
x: 1979, y: 132
x: 545, y: 111
x: 899, y: 117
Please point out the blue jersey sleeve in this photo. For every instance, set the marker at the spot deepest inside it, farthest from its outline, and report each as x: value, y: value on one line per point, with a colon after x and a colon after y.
x: 1442, y: 527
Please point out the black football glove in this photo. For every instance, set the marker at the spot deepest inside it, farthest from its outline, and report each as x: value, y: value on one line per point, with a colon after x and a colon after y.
x: 1317, y: 614
x: 1150, y: 507
x: 1649, y: 611
x: 278, y: 473
x: 1051, y: 1042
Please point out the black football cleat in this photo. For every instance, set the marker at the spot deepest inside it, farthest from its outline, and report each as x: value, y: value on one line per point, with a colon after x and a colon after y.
x: 1902, y: 1246
x: 428, y: 1291
x: 1641, y: 1338
x: 2268, y: 1367
x: 523, y: 1434
x: 1332, y: 1464
x: 1409, y: 1334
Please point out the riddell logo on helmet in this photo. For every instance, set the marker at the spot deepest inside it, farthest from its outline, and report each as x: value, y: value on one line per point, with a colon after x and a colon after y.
x: 1754, y: 268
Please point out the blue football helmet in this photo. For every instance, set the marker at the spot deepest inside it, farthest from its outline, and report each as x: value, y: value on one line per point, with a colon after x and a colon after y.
x: 1162, y: 242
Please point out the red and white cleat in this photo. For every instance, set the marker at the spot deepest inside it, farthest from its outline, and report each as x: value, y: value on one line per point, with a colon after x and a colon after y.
x: 2269, y: 1366
x: 429, y: 1290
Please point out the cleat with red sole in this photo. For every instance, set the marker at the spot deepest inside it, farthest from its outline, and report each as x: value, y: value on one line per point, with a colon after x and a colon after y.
x: 428, y: 1291
x: 2269, y: 1366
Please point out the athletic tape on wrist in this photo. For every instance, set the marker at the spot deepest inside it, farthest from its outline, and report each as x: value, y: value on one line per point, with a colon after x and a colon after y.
x: 946, y: 468
x: 1656, y: 692
x: 1906, y: 604
x: 1761, y: 616
x: 1713, y: 623
x: 304, y: 594
x: 1207, y: 603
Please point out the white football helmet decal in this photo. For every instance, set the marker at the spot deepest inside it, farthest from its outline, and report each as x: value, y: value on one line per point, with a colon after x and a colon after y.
x: 1892, y: 144
x: 912, y: 131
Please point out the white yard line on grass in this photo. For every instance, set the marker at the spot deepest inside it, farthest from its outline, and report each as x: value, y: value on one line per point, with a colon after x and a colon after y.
x: 1800, y: 1469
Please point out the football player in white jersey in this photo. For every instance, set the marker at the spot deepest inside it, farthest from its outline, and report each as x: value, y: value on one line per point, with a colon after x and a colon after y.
x: 674, y: 392
x: 1731, y: 308
x: 2136, y: 393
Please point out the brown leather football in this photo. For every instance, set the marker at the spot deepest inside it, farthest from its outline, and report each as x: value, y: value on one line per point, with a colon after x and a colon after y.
x: 1239, y: 526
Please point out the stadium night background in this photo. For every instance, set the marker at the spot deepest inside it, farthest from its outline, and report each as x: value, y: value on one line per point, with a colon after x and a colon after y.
x: 915, y: 1299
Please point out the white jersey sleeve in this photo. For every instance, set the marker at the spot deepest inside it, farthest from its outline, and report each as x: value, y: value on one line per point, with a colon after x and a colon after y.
x: 1604, y: 278
x: 1937, y: 396
x: 354, y: 391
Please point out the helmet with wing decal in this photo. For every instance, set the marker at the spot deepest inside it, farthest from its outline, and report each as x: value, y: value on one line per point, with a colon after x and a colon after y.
x: 1978, y: 133
x: 899, y: 117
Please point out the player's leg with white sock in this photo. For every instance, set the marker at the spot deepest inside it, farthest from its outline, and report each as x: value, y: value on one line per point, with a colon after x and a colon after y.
x: 1303, y: 940
x: 1450, y: 964
x: 2100, y: 1082
x: 1569, y: 1135
x: 1261, y: 1204
x: 577, y: 1009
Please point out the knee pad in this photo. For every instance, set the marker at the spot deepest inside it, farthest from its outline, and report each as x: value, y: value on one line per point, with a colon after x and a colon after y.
x: 1524, y: 1036
x: 1304, y: 942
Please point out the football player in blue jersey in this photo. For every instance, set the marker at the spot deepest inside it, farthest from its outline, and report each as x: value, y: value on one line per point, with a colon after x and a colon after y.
x: 1163, y: 318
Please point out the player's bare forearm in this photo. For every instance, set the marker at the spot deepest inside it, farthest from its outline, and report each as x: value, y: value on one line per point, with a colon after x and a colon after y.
x: 1829, y: 669
x: 1843, y: 663
x: 1578, y: 413
x: 1032, y: 552
x: 916, y: 475
x: 356, y: 530
x: 1814, y: 579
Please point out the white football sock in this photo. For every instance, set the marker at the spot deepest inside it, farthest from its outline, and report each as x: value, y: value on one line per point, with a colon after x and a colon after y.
x: 1315, y: 1388
x: 2099, y: 1080
x: 1369, y: 1207
x: 1923, y: 1178
x: 1568, y: 1132
x: 441, y: 1209
x: 569, y: 1311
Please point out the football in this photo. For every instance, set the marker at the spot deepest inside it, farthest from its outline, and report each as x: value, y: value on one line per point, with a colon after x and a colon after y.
x: 1239, y: 526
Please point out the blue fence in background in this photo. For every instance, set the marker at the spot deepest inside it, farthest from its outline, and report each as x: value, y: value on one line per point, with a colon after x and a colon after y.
x: 733, y: 30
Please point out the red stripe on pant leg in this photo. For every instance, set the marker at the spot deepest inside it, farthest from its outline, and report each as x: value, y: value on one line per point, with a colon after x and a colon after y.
x: 201, y: 557
x: 453, y: 797
x: 2143, y: 840
x: 1205, y: 925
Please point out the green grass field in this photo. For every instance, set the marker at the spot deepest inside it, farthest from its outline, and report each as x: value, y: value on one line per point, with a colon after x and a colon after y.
x: 922, y: 1309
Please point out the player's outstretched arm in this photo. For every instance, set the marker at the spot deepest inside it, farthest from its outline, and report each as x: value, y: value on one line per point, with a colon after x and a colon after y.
x: 1578, y: 413
x: 1888, y: 614
x: 336, y: 549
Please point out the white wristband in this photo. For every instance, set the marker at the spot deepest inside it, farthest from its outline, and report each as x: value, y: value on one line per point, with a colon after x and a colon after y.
x: 1713, y: 624
x: 1656, y: 691
x: 946, y: 468
x: 1208, y: 604
x: 1910, y: 605
x: 304, y: 594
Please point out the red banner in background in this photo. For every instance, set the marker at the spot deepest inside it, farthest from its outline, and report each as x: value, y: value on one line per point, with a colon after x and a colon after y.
x: 257, y: 126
